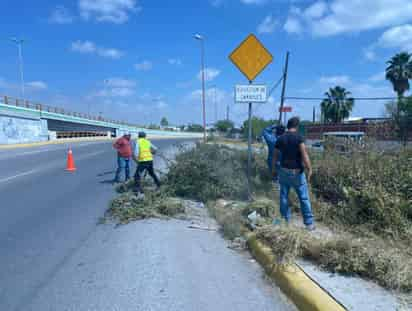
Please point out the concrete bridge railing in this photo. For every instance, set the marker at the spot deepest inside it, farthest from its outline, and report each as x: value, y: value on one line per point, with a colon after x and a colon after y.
x: 25, y: 121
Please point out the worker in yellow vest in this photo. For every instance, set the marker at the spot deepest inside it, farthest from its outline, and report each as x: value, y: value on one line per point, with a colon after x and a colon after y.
x: 143, y: 156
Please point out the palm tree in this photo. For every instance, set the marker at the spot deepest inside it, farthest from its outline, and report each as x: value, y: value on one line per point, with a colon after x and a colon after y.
x: 399, y: 72
x: 337, y: 105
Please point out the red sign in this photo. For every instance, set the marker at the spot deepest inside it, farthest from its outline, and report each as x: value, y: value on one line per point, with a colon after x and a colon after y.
x: 285, y: 109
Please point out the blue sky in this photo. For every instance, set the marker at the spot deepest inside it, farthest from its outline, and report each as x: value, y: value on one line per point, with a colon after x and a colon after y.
x: 138, y: 61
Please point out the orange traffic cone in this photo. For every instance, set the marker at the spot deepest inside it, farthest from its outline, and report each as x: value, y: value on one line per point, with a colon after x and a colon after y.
x: 70, y: 161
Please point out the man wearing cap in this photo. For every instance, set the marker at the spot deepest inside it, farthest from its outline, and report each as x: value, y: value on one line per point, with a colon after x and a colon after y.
x: 143, y: 156
x: 124, y: 152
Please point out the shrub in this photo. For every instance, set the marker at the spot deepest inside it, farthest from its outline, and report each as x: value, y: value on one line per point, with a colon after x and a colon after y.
x: 368, y: 189
x: 209, y: 172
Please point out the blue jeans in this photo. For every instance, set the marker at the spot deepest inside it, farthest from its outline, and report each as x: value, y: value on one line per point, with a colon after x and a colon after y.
x: 290, y: 179
x: 122, y: 164
x: 277, y: 165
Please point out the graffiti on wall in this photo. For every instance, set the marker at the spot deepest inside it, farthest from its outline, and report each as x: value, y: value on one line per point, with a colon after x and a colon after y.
x: 17, y: 130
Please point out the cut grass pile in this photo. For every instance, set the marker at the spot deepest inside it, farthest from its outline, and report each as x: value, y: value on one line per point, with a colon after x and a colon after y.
x: 127, y: 207
x: 369, y: 258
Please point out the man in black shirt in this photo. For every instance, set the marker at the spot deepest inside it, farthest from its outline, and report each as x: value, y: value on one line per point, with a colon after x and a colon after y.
x: 291, y: 173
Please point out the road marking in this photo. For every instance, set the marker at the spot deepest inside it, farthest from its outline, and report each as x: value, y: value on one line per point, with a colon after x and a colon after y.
x: 90, y: 155
x: 35, y: 171
x: 18, y: 175
x: 58, y: 148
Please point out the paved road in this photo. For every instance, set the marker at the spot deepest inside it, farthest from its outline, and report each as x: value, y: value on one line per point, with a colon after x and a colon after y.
x: 54, y: 256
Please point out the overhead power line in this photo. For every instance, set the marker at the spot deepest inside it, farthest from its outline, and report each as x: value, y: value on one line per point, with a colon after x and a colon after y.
x: 275, y: 86
x: 355, y: 98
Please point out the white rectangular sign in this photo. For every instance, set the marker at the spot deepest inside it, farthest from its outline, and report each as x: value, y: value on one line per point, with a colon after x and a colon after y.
x: 250, y: 93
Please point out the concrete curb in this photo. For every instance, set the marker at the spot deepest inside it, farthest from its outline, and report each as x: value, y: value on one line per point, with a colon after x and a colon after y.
x: 293, y: 281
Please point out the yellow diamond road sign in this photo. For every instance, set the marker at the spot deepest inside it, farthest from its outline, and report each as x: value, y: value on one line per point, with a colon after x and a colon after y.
x: 251, y: 57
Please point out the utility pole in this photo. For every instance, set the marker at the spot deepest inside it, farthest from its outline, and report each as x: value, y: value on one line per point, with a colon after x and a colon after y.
x: 249, y: 154
x: 285, y: 76
x: 202, y: 47
x: 19, y: 43
x: 227, y: 112
x: 314, y: 114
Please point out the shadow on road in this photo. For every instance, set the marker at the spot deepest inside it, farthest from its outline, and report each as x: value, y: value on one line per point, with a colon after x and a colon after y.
x: 107, y: 181
x: 106, y: 173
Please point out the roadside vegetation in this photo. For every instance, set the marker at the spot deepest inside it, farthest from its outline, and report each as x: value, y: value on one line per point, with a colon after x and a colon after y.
x: 362, y: 199
x: 365, y: 200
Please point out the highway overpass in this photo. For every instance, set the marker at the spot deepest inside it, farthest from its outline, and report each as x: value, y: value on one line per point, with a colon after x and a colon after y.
x: 23, y: 121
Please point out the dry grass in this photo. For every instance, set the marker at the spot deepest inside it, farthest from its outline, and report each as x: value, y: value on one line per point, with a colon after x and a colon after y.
x: 366, y: 198
x: 127, y: 207
x: 370, y: 258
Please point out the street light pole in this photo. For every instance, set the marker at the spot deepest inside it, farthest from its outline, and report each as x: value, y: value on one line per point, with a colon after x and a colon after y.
x: 202, y: 46
x: 215, y: 102
x: 19, y: 43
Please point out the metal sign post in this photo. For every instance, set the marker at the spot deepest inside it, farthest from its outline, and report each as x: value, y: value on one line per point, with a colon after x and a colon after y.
x: 251, y: 58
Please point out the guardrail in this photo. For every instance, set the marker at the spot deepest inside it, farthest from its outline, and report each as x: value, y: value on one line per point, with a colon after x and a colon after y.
x: 16, y: 102
x: 54, y: 113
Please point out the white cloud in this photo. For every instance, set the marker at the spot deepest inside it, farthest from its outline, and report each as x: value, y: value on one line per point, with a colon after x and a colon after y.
x: 144, y: 66
x: 61, y: 15
x: 110, y: 53
x: 399, y: 37
x: 116, y: 87
x: 268, y: 25
x: 258, y: 2
x: 210, y: 74
x: 216, y: 3
x: 316, y: 10
x: 86, y: 47
x: 113, y: 11
x: 161, y: 104
x: 335, y: 80
x: 37, y: 85
x: 369, y: 54
x: 120, y: 82
x: 89, y: 47
x: 174, y: 61
x: 293, y: 25
x: 379, y: 77
x: 348, y: 16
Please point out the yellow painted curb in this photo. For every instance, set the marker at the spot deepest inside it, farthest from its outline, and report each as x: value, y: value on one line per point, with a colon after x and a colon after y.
x: 303, y: 291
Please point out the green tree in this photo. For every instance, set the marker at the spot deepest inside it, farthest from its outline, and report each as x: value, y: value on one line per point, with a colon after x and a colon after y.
x: 399, y: 71
x: 164, y: 122
x: 195, y: 128
x: 224, y: 126
x: 337, y: 105
x: 401, y: 114
x: 258, y: 124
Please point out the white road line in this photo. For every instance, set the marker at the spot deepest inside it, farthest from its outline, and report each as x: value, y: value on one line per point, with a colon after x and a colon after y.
x: 34, y: 171
x: 89, y: 155
x: 61, y: 147
x: 18, y: 175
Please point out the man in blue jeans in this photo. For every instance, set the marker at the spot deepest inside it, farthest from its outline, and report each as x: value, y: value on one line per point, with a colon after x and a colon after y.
x: 270, y: 134
x: 292, y: 174
x: 124, y: 153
